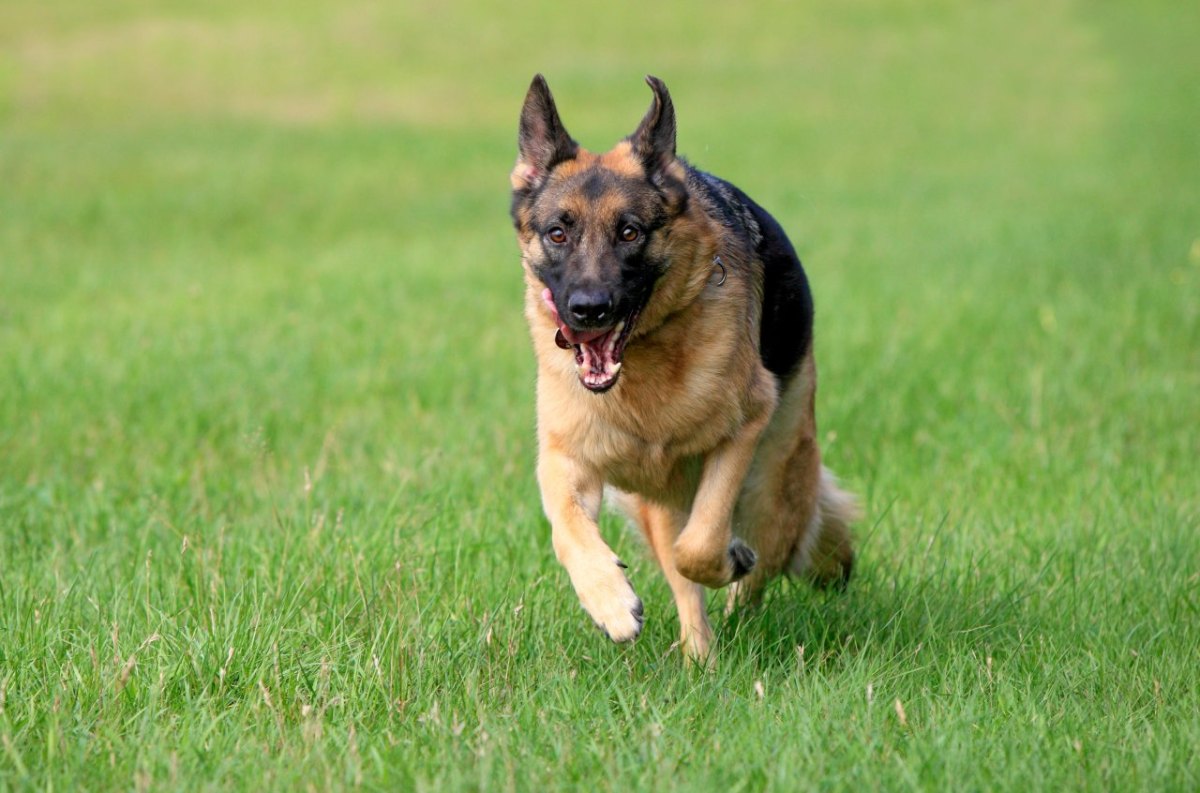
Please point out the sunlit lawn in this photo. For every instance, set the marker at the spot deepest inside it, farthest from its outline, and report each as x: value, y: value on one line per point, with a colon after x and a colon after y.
x: 267, y: 508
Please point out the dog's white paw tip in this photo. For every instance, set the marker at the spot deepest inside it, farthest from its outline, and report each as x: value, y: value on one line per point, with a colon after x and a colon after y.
x: 625, y: 627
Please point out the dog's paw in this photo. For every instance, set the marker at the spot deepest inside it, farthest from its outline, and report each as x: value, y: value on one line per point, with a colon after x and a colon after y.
x: 713, y: 567
x: 742, y: 557
x: 610, y: 601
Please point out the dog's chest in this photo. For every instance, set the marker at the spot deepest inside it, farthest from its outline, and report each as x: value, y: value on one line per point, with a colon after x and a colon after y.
x: 659, y: 452
x: 652, y: 469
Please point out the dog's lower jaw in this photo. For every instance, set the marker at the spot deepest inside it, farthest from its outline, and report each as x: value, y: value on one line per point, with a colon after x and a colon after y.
x: 599, y: 384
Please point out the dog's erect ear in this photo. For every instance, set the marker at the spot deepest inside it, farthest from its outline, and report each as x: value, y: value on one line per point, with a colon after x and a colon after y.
x: 542, y: 141
x: 654, y: 139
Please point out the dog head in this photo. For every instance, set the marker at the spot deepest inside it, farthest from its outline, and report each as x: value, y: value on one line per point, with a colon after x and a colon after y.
x: 593, y: 228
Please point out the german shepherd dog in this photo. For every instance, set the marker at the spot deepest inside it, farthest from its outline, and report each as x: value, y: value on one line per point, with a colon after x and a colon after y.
x: 672, y: 324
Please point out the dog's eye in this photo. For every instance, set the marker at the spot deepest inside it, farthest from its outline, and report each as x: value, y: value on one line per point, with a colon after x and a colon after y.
x: 629, y: 234
x: 557, y: 235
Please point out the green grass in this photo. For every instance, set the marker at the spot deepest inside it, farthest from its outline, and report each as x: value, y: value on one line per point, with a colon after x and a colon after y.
x: 267, y: 509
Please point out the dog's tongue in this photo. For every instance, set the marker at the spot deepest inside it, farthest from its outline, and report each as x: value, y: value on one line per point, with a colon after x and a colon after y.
x: 577, y: 337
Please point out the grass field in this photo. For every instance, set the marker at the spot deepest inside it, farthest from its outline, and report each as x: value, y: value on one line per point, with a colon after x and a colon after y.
x: 267, y: 509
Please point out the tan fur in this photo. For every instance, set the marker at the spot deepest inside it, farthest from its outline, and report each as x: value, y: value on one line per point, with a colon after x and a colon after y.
x: 661, y: 526
x: 694, y: 436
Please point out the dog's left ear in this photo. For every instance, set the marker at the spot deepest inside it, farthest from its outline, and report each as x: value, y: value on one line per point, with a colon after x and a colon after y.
x: 654, y: 144
x: 654, y: 139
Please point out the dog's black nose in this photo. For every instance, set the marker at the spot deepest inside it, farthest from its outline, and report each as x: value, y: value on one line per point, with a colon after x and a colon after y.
x: 590, y: 306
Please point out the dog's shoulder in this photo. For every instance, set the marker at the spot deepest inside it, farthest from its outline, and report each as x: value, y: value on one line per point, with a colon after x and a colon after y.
x: 785, y: 334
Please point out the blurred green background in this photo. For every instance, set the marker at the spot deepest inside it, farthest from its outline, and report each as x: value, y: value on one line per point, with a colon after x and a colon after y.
x: 267, y: 509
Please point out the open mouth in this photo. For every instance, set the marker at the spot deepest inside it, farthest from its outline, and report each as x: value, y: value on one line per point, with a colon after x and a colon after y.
x: 598, y: 353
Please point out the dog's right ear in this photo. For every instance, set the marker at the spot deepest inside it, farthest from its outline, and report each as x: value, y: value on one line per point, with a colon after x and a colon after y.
x: 542, y: 141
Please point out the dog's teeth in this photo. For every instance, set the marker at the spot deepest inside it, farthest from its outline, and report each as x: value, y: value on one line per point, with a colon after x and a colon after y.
x: 614, y: 337
x: 616, y: 367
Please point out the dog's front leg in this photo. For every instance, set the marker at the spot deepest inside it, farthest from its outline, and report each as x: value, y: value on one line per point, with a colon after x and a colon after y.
x: 706, y: 551
x: 571, y: 498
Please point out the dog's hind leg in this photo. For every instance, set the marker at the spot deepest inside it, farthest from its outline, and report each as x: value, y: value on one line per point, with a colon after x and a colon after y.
x: 830, y: 558
x: 777, y: 509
